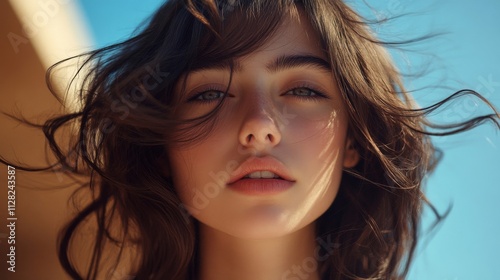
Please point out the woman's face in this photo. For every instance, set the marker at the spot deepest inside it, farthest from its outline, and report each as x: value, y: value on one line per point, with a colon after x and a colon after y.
x: 283, y: 105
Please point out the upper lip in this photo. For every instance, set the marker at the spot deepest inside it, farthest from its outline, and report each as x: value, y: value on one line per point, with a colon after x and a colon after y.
x: 253, y: 164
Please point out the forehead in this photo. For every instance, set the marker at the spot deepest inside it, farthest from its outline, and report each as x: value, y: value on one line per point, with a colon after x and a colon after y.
x: 296, y: 34
x: 293, y: 43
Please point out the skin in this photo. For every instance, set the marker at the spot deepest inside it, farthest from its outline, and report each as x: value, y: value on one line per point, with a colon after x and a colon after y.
x: 271, y: 236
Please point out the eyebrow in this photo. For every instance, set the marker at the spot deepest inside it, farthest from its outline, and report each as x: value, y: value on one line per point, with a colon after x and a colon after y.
x: 292, y: 61
x: 281, y: 63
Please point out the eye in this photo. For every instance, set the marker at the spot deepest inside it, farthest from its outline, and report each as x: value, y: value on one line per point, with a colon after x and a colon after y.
x: 207, y: 96
x: 305, y: 93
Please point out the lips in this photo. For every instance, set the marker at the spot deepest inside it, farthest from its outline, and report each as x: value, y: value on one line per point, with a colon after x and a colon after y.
x: 266, y: 163
x: 261, y: 186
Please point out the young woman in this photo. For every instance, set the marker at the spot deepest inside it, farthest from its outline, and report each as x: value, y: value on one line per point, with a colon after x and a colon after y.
x: 250, y: 140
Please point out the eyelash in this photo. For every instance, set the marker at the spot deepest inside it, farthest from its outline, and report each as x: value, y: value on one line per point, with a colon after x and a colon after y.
x: 200, y: 93
x: 315, y: 98
x: 318, y: 94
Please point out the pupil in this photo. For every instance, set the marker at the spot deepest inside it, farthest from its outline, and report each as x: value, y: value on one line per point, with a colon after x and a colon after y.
x: 211, y: 94
x: 302, y: 91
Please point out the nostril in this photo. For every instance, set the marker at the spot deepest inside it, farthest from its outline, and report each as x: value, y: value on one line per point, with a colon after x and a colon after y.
x: 249, y: 138
x: 271, y: 137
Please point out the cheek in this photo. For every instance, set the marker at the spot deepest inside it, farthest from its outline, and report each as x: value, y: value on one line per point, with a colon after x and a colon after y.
x: 181, y: 167
x: 320, y: 139
x: 193, y: 168
x: 318, y: 152
x: 187, y: 178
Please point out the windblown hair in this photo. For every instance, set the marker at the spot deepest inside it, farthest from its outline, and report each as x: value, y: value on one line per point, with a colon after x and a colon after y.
x: 128, y: 117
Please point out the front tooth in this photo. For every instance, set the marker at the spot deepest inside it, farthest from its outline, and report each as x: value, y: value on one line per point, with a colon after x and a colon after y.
x: 254, y: 175
x: 267, y: 174
x: 262, y: 174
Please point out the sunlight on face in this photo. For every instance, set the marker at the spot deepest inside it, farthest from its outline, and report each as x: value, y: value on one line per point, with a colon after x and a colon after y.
x: 282, y: 102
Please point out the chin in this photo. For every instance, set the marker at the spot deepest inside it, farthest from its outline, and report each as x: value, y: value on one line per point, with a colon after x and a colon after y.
x: 263, y: 222
x: 262, y: 231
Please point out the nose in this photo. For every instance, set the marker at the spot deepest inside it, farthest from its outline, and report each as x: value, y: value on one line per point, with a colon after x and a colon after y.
x: 260, y: 128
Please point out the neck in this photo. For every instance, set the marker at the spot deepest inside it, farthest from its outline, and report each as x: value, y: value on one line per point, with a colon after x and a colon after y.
x: 223, y: 256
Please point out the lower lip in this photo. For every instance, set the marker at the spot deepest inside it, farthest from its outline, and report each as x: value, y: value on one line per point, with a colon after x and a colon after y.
x: 261, y: 186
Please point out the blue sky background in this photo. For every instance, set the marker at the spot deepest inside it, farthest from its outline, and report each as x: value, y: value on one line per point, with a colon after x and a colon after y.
x: 467, y: 244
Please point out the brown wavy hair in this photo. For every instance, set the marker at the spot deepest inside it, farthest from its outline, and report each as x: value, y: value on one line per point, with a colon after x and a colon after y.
x: 128, y: 116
